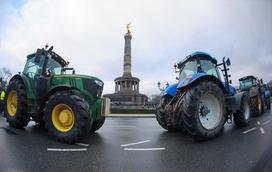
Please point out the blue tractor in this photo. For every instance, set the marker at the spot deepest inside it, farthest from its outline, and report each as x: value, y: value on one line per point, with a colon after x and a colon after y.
x: 267, y: 95
x: 201, y: 103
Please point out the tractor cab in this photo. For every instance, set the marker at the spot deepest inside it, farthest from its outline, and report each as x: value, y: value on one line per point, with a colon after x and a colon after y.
x: 198, y: 63
x: 45, y: 63
x: 247, y: 82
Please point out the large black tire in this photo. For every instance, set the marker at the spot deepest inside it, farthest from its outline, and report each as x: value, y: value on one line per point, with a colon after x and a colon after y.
x: 242, y: 116
x: 78, y: 109
x: 165, y: 114
x: 97, y: 124
x: 16, y: 111
x: 257, y: 105
x: 195, y: 108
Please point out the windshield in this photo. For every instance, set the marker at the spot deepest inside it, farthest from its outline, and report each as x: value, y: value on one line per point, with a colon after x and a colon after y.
x: 245, y: 84
x: 209, y: 68
x: 189, y: 68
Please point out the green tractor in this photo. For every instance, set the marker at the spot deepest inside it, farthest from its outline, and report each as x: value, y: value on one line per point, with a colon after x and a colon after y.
x: 258, y: 92
x: 68, y: 105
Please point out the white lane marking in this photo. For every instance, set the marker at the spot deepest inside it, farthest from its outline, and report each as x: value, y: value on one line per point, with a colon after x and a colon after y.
x: 143, y: 149
x: 258, y: 122
x: 252, y: 129
x: 123, y: 126
x: 82, y: 144
x: 266, y: 122
x: 66, y: 150
x: 262, y: 130
x: 136, y: 143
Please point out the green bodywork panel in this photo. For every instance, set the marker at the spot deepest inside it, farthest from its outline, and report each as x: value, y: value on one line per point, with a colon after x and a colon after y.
x: 75, y: 81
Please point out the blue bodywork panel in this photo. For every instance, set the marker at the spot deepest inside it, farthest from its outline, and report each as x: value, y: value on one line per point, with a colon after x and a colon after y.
x: 267, y: 93
x: 171, y: 90
x: 231, y: 88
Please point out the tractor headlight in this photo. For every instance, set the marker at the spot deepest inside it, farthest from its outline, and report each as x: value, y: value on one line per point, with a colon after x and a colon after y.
x: 99, y: 83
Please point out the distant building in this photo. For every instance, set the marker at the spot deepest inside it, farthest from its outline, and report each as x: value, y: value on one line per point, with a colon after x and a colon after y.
x: 127, y: 95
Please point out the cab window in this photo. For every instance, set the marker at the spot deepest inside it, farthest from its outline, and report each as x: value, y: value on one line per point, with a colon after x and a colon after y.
x: 54, y: 67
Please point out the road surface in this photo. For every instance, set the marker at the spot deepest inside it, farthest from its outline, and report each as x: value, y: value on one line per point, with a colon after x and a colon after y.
x: 138, y: 144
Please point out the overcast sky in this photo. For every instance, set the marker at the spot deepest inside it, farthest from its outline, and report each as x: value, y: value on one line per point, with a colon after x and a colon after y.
x: 90, y: 34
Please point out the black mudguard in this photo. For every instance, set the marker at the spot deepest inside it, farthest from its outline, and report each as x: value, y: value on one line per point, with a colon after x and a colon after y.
x: 233, y: 102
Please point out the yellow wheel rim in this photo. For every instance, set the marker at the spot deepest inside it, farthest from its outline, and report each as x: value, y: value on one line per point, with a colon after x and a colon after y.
x: 63, y: 117
x: 12, y: 102
x: 259, y: 103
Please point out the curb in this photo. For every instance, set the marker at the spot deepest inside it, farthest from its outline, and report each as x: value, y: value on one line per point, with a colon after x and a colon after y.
x: 131, y: 116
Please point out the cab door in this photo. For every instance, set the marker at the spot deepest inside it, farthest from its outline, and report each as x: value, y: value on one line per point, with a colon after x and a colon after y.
x: 32, y: 71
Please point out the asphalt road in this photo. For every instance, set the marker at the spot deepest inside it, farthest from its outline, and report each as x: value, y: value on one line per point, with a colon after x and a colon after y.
x: 138, y: 144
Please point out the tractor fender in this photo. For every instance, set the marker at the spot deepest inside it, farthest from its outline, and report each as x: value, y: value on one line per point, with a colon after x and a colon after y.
x: 171, y: 90
x: 19, y: 77
x: 26, y: 83
x: 59, y: 88
x: 194, y: 79
x: 233, y: 102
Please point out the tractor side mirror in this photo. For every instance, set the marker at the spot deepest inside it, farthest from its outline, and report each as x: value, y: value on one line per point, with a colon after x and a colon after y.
x: 228, y: 62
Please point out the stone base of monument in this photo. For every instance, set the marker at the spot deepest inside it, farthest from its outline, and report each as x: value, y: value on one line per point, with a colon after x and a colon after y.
x: 131, y: 110
x: 122, y: 115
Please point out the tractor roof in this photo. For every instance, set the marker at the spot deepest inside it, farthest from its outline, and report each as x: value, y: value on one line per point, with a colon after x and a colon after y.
x: 54, y: 55
x: 247, y: 77
x: 200, y: 55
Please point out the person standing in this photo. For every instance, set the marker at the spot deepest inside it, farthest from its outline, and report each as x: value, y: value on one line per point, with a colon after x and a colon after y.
x: 2, y: 96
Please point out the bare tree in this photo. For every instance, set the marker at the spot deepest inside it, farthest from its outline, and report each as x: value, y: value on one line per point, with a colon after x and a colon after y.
x: 5, y: 75
x: 154, y: 99
x: 269, y: 84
